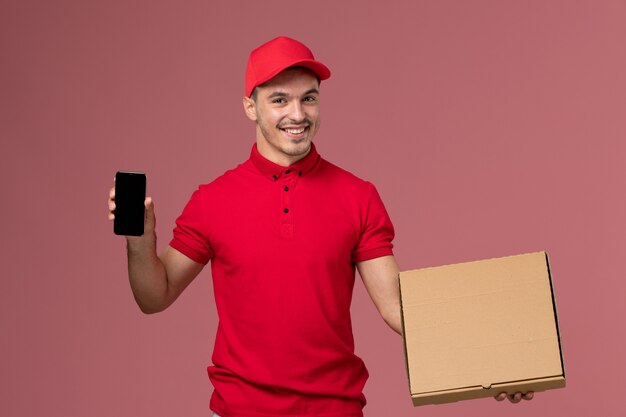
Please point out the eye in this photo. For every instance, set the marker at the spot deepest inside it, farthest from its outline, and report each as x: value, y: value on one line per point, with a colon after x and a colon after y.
x: 279, y: 101
x: 310, y: 99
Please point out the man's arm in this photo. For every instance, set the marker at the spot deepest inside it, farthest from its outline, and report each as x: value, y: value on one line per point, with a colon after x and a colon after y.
x: 156, y: 281
x: 380, y: 276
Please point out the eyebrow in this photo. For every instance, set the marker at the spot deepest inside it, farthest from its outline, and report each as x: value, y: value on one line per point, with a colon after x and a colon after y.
x: 283, y: 94
x: 312, y: 91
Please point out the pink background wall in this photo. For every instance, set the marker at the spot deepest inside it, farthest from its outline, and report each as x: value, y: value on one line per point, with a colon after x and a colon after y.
x: 489, y: 127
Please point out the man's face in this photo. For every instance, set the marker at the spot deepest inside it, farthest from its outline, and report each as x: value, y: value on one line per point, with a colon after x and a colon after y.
x: 286, y: 111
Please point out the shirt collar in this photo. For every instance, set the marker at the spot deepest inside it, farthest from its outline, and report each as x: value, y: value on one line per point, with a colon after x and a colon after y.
x: 274, y: 171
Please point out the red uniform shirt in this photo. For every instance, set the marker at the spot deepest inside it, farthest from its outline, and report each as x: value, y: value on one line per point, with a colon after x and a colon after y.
x: 283, y: 242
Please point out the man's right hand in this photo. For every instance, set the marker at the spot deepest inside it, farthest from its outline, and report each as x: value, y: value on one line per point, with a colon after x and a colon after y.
x: 156, y: 281
x: 149, y: 220
x: 112, y: 203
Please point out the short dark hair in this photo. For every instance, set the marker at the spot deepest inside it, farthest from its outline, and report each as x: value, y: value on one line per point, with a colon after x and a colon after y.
x: 253, y: 95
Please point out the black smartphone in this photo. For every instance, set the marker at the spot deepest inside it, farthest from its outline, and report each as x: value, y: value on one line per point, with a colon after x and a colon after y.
x: 130, y: 193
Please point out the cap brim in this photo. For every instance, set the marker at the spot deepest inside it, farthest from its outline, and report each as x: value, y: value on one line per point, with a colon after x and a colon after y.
x: 321, y: 70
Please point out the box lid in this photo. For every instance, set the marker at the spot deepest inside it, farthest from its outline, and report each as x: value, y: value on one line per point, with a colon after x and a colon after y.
x: 479, y: 324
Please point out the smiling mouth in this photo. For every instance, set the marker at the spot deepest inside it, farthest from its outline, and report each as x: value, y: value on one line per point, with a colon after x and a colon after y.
x: 294, y: 131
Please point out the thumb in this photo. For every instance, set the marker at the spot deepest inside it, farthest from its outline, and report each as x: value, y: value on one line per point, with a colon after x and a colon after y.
x: 150, y: 220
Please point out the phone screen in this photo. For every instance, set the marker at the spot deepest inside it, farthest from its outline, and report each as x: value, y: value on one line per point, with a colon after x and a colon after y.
x: 130, y: 193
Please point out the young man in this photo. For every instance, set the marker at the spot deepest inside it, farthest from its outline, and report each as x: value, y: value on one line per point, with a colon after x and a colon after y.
x: 284, y: 232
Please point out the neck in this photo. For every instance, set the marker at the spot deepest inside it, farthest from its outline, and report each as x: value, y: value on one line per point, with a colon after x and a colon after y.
x: 270, y: 153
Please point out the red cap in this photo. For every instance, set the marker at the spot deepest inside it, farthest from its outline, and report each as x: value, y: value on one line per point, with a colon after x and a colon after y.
x: 269, y: 59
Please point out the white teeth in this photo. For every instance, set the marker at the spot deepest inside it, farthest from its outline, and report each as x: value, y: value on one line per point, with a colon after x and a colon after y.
x: 295, y: 131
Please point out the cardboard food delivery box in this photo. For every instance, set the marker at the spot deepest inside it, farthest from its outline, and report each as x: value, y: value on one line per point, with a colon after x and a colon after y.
x: 476, y: 329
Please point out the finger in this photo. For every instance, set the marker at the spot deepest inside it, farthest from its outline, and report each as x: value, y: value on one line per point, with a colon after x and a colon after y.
x: 111, y: 203
x: 501, y: 396
x: 150, y: 219
x: 515, y: 398
x: 528, y: 395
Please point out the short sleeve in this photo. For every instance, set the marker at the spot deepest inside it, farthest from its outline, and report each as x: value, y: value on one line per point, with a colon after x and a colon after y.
x: 190, y: 234
x: 376, y: 230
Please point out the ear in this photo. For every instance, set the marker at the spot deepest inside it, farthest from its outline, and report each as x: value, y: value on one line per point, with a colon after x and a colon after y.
x: 249, y: 107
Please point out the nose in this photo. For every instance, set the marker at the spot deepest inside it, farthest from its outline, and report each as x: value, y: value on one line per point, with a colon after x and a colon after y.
x: 296, y: 112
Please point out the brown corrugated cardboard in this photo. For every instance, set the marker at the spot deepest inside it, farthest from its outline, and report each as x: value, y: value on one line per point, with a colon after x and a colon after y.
x: 476, y: 329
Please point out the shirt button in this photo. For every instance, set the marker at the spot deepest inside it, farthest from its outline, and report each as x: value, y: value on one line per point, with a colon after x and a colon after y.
x: 286, y: 210
x: 300, y: 173
x: 274, y: 177
x: 288, y: 171
x: 286, y: 188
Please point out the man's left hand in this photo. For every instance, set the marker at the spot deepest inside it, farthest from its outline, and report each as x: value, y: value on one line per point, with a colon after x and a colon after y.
x: 516, y: 397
